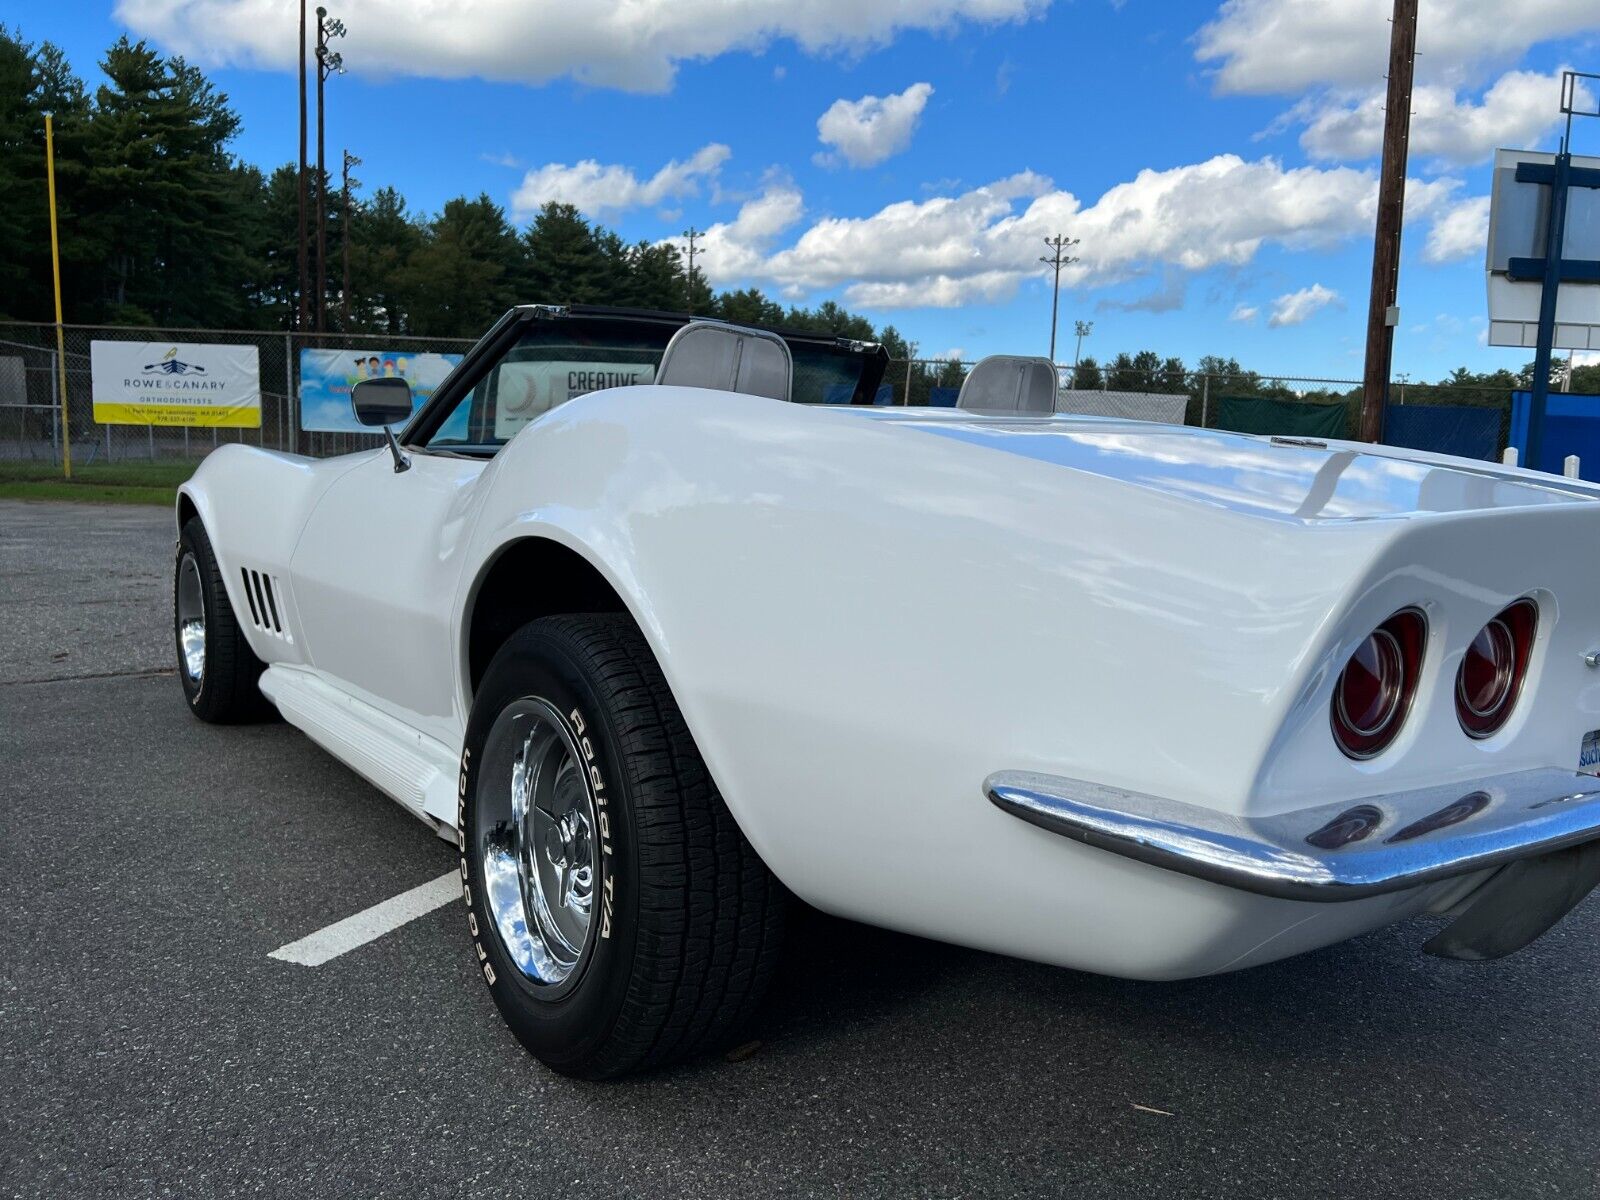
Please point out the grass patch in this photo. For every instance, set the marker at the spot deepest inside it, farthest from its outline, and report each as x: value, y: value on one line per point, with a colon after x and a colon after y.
x: 95, y: 483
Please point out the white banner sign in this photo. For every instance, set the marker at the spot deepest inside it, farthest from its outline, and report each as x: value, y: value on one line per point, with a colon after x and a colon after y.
x: 526, y: 390
x: 175, y: 383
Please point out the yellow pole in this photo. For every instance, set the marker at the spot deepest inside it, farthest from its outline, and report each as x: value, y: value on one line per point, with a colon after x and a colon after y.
x: 55, y: 266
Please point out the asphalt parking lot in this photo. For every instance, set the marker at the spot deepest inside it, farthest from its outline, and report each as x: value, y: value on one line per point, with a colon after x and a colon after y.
x: 149, y: 1045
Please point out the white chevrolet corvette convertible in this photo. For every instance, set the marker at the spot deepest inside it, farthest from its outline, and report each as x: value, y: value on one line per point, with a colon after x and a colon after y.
x: 1143, y: 700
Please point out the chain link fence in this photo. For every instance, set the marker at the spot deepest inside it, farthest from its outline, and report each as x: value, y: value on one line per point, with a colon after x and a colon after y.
x: 1474, y: 422
x: 31, y: 426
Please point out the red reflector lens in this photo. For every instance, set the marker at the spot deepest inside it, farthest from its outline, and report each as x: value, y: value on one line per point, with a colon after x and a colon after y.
x: 1492, y: 671
x: 1486, y: 672
x: 1373, y: 693
x: 1369, y: 689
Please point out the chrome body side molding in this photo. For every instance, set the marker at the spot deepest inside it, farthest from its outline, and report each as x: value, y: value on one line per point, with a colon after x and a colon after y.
x: 1332, y: 852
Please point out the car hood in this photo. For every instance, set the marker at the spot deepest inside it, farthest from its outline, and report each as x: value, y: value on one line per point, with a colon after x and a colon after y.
x: 1287, y: 478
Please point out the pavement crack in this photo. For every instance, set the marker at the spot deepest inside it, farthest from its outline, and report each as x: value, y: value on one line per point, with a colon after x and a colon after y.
x: 148, y: 673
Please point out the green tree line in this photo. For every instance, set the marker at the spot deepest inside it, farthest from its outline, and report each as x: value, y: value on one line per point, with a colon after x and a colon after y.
x: 1147, y: 371
x: 161, y: 224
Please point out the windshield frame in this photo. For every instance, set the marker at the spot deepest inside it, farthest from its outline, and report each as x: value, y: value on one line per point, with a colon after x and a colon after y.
x: 507, y: 332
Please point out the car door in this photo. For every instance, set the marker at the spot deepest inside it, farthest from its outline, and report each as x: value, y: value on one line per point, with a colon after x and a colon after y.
x: 375, y: 576
x: 377, y: 570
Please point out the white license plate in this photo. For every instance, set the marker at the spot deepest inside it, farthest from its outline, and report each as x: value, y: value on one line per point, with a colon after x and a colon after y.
x: 1589, y: 755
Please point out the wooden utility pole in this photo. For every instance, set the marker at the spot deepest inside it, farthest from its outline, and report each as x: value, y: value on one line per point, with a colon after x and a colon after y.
x: 1391, y: 218
x: 305, y: 279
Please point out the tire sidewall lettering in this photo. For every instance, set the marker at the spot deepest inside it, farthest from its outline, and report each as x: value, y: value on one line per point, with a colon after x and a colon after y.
x: 602, y: 808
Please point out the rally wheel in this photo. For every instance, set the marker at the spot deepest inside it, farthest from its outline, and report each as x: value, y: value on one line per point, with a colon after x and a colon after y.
x: 619, y: 917
x: 216, y: 666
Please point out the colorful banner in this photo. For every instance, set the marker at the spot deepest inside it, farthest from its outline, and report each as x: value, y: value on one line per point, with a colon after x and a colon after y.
x: 175, y: 383
x: 327, y: 377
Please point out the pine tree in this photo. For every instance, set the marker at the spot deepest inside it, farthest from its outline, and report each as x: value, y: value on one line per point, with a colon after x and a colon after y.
x: 384, y: 240
x: 463, y: 278
x: 656, y: 277
x: 1173, y: 377
x: 33, y: 81
x: 161, y: 181
x: 565, y: 262
x: 20, y: 205
x: 748, y: 306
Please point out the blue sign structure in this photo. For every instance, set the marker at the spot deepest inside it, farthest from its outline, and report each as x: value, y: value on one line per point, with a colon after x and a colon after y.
x: 1552, y: 269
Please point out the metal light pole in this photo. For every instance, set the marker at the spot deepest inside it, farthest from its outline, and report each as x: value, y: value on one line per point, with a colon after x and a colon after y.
x: 692, y: 234
x: 350, y: 160
x: 1058, y: 258
x: 1085, y: 328
x: 305, y: 274
x: 1391, y: 215
x: 328, y: 61
x: 55, y: 269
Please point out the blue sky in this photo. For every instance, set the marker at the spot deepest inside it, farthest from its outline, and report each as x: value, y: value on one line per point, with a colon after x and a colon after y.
x: 1217, y: 161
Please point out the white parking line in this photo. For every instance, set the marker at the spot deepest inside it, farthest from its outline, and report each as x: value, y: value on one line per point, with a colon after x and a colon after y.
x: 370, y: 923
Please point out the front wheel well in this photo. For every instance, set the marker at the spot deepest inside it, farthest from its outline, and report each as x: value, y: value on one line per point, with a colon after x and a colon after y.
x: 531, y: 578
x: 187, y: 511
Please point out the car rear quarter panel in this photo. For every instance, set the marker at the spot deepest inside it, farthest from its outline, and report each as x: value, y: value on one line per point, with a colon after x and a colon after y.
x: 862, y: 622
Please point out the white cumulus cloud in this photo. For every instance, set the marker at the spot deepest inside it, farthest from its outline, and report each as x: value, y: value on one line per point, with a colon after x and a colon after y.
x: 864, y: 132
x: 737, y: 249
x: 981, y: 244
x: 1459, y: 231
x: 1244, y: 313
x: 1298, y: 307
x: 598, y: 188
x: 1518, y: 110
x: 947, y: 248
x: 1287, y: 46
x: 635, y: 45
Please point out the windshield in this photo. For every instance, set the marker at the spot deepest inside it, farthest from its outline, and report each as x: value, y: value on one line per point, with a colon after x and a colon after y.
x: 555, y: 360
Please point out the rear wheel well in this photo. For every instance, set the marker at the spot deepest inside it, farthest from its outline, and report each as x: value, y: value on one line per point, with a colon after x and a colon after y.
x: 186, y: 511
x: 532, y: 578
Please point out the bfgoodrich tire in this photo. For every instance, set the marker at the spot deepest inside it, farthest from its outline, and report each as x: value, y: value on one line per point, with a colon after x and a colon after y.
x: 216, y: 666
x: 619, y: 917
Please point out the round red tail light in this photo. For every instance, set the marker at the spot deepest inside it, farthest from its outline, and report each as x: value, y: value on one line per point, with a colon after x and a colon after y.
x: 1492, y: 671
x: 1374, y: 691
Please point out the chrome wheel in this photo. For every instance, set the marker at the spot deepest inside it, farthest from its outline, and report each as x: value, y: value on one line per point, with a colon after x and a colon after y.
x: 191, y: 620
x: 537, y: 840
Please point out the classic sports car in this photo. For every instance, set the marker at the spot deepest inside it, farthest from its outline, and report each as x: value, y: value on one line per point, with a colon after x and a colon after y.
x: 1144, y: 700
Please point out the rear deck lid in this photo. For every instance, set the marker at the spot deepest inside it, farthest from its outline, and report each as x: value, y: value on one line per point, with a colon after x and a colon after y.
x: 1285, y: 478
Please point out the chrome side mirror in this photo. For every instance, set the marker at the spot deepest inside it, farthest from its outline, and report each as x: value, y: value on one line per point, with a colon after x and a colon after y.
x: 385, y: 402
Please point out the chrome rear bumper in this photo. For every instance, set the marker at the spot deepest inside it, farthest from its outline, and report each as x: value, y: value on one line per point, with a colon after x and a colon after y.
x: 1332, y: 852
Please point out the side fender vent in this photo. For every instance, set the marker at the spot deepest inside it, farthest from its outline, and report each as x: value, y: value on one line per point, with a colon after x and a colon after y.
x: 261, y: 592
